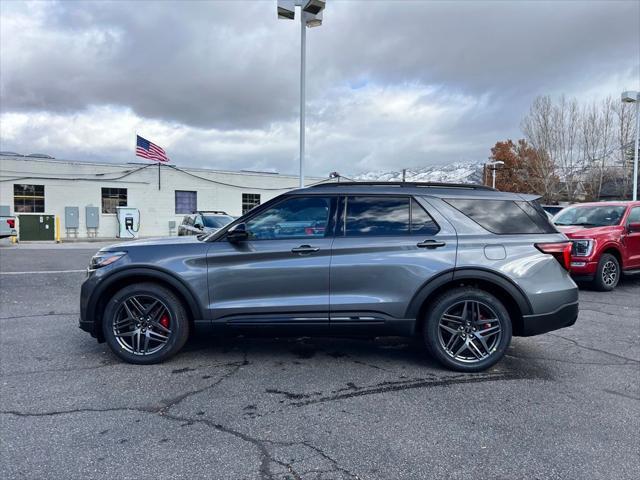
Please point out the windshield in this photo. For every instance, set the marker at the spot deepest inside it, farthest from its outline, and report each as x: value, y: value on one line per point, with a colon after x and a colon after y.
x: 591, y: 216
x: 217, y: 221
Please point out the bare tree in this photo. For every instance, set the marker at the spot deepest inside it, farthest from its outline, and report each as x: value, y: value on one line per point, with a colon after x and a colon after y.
x: 624, y: 135
x: 597, y: 145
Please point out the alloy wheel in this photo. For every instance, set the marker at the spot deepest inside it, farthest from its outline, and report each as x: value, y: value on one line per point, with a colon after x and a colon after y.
x: 469, y: 331
x: 609, y: 273
x: 142, y: 325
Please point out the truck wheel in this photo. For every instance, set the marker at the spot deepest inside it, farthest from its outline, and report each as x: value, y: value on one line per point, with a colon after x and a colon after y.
x: 607, y: 274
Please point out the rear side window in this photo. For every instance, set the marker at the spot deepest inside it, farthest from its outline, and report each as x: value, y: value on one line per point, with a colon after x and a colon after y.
x: 377, y: 216
x: 380, y: 216
x: 504, y: 216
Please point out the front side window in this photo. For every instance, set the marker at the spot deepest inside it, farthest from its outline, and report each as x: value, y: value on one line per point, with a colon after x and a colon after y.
x: 504, y: 217
x: 297, y: 217
x: 113, y: 198
x: 634, y: 215
x: 376, y: 216
x: 28, y: 198
x: 590, y: 215
x: 186, y: 201
x: 250, y: 201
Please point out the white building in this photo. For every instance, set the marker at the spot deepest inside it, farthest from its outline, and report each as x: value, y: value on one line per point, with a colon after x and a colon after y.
x: 44, y: 187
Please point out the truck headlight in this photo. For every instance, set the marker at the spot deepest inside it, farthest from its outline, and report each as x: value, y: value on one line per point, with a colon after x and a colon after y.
x: 582, y: 248
x: 102, y: 259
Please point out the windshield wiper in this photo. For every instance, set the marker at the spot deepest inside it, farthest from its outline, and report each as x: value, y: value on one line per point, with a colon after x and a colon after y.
x: 582, y: 224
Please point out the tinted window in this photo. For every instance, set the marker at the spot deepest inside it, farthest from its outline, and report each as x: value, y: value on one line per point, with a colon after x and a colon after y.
x: 298, y: 217
x: 634, y: 216
x: 377, y: 216
x: 421, y: 221
x: 504, y: 216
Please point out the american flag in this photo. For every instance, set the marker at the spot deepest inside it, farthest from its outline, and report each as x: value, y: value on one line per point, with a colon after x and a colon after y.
x: 150, y: 151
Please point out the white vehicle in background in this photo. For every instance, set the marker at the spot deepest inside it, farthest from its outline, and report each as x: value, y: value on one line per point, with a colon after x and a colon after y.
x: 7, y: 226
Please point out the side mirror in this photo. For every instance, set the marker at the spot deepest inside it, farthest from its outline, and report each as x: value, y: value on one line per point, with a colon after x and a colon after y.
x: 634, y: 227
x: 237, y: 233
x: 198, y: 226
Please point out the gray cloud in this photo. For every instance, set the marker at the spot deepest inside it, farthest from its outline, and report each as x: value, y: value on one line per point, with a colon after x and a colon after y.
x: 225, y: 74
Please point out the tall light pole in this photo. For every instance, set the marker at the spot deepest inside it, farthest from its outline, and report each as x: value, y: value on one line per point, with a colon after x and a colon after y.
x: 634, y: 97
x: 494, y: 167
x: 310, y: 16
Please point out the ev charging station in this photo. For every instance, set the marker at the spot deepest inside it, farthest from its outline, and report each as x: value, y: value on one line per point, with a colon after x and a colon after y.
x: 128, y: 222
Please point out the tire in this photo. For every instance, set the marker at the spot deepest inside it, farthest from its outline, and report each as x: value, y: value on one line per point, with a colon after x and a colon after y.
x: 123, y: 324
x: 607, y: 273
x: 444, y: 339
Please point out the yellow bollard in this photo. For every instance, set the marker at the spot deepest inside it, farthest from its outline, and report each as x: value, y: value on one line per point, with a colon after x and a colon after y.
x: 57, y: 229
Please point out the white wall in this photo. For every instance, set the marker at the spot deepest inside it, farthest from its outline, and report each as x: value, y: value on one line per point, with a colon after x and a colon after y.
x: 79, y: 184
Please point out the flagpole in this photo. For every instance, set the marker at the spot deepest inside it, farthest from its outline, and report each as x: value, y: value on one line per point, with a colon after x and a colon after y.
x: 158, y: 175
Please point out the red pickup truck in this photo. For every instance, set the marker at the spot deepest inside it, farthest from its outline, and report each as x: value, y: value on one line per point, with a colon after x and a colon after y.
x: 606, y: 241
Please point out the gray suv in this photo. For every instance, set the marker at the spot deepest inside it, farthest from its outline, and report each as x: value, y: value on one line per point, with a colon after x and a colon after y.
x: 464, y: 267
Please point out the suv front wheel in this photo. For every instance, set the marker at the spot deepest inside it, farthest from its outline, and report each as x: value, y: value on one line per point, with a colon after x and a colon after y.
x: 145, y: 323
x: 467, y: 329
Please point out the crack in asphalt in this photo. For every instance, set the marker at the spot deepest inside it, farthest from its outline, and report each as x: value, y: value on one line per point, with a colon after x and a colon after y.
x: 593, y: 349
x: 621, y: 394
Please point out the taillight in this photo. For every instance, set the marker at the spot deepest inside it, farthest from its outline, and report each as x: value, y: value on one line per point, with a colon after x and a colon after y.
x: 560, y: 250
x: 11, y: 222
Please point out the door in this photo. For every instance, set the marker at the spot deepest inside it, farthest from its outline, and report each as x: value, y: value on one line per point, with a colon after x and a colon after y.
x: 386, y: 248
x: 632, y: 240
x: 280, y: 275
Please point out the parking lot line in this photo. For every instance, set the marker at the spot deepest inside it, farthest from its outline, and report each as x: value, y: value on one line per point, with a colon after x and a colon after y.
x: 42, y: 271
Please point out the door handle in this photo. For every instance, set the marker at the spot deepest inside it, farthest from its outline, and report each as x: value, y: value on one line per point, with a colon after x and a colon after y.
x: 430, y: 244
x: 305, y: 249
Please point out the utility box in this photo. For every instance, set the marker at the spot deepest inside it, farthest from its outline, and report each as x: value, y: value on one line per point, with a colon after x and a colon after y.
x: 37, y: 227
x: 71, y: 217
x: 93, y: 217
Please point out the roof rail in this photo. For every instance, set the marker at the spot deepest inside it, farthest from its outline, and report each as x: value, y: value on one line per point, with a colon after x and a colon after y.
x: 470, y: 186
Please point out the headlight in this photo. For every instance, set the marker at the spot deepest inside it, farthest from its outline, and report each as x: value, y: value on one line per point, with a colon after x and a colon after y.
x: 582, y: 248
x: 102, y: 259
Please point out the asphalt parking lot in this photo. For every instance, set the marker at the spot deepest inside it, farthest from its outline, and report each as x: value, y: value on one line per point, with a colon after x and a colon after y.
x: 563, y: 405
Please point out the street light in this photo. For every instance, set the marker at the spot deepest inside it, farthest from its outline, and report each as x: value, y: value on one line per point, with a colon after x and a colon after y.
x: 634, y: 97
x: 310, y: 16
x: 494, y: 166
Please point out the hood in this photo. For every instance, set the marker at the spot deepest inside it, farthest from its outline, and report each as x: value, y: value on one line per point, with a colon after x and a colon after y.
x: 154, y: 242
x: 577, y: 231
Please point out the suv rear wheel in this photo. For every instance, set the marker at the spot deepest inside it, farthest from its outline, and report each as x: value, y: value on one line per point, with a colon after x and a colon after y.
x: 145, y: 324
x: 467, y: 329
x: 607, y: 274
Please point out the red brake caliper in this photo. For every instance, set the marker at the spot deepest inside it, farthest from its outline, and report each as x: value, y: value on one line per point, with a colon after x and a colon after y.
x: 164, y: 320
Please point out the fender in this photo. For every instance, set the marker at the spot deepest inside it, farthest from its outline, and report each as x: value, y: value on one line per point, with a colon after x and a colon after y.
x: 151, y: 273
x: 470, y: 273
x: 479, y: 273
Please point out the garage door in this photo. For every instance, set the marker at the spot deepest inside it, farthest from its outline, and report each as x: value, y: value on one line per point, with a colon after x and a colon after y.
x: 37, y: 227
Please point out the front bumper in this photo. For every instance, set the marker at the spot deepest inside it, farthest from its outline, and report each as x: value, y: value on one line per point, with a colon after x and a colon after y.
x: 565, y: 316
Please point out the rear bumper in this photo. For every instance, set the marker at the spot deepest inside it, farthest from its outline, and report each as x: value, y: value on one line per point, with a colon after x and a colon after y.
x: 565, y: 316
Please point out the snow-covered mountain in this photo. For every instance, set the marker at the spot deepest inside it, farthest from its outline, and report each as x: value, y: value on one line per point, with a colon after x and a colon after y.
x: 452, y: 173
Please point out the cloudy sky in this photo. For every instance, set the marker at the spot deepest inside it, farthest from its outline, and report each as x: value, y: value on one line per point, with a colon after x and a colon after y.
x: 390, y: 84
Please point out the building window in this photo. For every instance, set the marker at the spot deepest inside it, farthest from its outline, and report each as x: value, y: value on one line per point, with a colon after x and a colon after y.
x: 28, y: 198
x: 112, y: 198
x: 186, y: 202
x: 249, y: 201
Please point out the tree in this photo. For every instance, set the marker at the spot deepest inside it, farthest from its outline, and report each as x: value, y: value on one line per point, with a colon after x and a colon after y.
x: 525, y: 170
